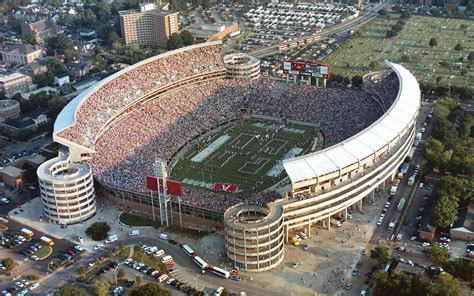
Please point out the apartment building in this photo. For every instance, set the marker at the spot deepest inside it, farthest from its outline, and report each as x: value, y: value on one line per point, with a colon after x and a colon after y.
x: 19, y: 54
x: 149, y: 26
x: 10, y: 84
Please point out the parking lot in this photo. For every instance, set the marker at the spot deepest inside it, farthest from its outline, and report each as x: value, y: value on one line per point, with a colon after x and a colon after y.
x: 282, y: 22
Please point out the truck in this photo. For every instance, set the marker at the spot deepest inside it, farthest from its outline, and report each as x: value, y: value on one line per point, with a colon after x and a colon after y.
x: 391, y: 225
x: 410, y: 155
x: 335, y: 222
x: 112, y: 238
x: 411, y: 180
x: 405, y: 167
x: 393, y: 190
x: 400, y: 205
x: 417, y: 139
x: 134, y: 233
x: 294, y: 240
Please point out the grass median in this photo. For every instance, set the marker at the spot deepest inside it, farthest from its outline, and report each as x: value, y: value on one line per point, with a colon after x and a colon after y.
x: 133, y: 220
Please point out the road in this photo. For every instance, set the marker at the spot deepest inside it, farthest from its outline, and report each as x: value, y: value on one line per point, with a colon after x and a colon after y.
x: 382, y: 235
x: 337, y: 29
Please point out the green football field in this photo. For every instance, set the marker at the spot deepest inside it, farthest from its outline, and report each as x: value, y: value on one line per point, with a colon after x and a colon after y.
x: 248, y: 154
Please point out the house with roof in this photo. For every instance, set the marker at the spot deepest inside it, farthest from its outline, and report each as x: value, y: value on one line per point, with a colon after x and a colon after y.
x: 31, y: 120
x: 35, y: 68
x: 40, y: 30
x: 463, y: 228
x: 20, y: 54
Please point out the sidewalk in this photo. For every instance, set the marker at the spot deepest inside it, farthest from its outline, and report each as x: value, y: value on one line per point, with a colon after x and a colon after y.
x: 33, y: 216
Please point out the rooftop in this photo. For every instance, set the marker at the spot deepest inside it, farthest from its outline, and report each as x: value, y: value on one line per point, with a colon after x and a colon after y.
x: 19, y: 48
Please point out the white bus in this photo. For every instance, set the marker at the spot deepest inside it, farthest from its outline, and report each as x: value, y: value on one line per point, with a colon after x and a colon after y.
x: 199, y: 262
x: 47, y: 240
x: 219, y: 271
x: 187, y: 249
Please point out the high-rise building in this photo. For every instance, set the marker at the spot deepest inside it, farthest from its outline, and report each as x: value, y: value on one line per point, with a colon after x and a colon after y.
x: 149, y: 26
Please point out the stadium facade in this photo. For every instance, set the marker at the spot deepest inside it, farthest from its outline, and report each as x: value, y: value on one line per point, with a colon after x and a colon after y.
x: 331, y: 180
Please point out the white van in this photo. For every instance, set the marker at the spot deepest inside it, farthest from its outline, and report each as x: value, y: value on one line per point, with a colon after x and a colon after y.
x: 162, y: 278
x: 166, y: 259
x: 134, y: 233
x: 159, y: 253
x: 112, y: 238
x: 164, y: 236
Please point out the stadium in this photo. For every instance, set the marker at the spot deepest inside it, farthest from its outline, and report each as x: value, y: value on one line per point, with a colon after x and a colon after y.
x: 257, y: 158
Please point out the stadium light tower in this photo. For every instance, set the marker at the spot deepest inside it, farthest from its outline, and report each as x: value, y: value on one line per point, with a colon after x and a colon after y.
x: 163, y: 199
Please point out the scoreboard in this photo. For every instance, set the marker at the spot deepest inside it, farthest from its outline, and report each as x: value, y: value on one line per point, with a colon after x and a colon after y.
x: 306, y: 68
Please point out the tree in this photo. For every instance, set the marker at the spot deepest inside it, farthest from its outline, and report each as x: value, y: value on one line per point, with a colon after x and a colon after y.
x: 121, y: 273
x: 435, y: 154
x: 390, y: 34
x: 380, y: 253
x: 82, y: 270
x: 58, y: 45
x: 383, y: 11
x: 405, y: 58
x: 397, y: 27
x: 9, y: 264
x: 458, y: 47
x: 55, y: 105
x: 470, y: 56
x: 28, y: 37
x: 433, y: 42
x: 373, y: 65
x: 461, y: 269
x: 174, y: 41
x: 446, y: 285
x: 397, y: 284
x: 356, y: 80
x: 151, y: 289
x: 29, y: 175
x: 98, y: 231
x: 138, y: 280
x: 406, y: 14
x: 101, y: 287
x: 225, y: 292
x: 70, y: 291
x: 121, y: 247
x: 438, y: 255
x: 187, y: 37
x: 445, y: 211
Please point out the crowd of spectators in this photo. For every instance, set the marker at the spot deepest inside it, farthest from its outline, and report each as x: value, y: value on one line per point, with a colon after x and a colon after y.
x: 387, y: 90
x: 126, y: 153
x: 103, y: 103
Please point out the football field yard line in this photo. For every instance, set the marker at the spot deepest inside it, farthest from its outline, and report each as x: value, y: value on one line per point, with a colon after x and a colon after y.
x: 211, y: 148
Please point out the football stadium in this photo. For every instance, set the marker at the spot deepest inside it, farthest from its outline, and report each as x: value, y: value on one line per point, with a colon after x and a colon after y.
x: 252, y: 157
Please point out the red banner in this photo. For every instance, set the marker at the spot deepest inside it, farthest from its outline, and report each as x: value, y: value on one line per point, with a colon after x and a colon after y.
x: 173, y: 187
x: 225, y: 187
x: 152, y: 183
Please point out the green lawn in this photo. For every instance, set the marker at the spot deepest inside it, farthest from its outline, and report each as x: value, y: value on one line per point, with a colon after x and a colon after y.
x: 133, y: 220
x: 355, y: 54
x: 44, y: 252
x: 242, y: 159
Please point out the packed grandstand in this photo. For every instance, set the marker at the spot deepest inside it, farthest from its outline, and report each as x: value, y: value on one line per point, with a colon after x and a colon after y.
x: 153, y: 109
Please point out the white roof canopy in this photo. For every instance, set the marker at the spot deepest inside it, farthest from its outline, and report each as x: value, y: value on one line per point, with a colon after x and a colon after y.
x: 365, y: 143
